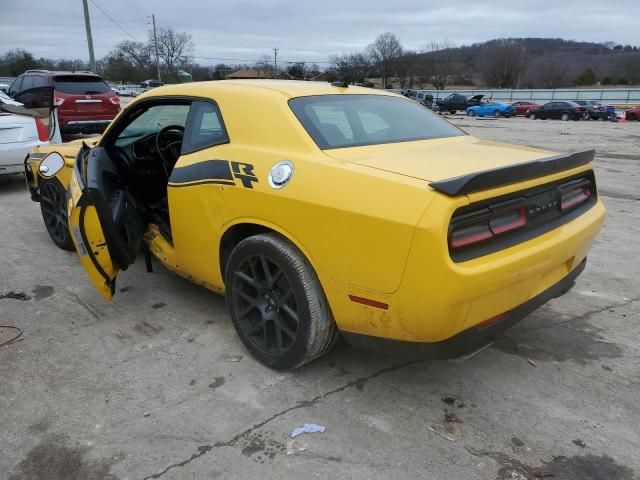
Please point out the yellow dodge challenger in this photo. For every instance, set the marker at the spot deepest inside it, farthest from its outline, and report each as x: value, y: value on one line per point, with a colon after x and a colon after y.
x: 320, y: 209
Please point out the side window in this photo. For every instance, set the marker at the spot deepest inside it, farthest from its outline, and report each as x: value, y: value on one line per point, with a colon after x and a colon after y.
x: 205, y: 127
x: 27, y: 83
x: 15, y: 86
x: 38, y: 82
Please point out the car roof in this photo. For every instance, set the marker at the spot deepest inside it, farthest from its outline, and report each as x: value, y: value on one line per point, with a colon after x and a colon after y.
x: 288, y: 88
x: 55, y: 73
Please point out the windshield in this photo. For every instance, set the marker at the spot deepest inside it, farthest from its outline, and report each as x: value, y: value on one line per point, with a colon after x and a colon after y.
x: 338, y: 121
x: 80, y: 85
x: 155, y: 118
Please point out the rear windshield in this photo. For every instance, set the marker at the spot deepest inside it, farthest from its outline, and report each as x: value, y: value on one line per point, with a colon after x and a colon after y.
x: 338, y: 121
x: 79, y: 85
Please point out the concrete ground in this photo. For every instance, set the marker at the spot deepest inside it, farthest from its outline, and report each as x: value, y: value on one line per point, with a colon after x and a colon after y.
x: 157, y: 385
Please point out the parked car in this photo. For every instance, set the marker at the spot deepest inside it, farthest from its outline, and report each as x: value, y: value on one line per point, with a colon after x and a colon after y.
x: 632, y: 114
x: 21, y: 129
x: 491, y: 109
x: 422, y: 98
x: 151, y: 83
x: 454, y: 102
x: 563, y: 110
x: 596, y: 110
x: 524, y: 106
x: 84, y: 102
x: 122, y: 91
x: 371, y: 221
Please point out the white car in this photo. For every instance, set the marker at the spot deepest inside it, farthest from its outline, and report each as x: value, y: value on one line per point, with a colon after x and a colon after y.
x: 4, y: 88
x: 19, y: 133
x: 122, y: 91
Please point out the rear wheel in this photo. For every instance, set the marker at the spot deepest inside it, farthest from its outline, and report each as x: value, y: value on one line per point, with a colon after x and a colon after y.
x: 496, y: 113
x: 276, y: 302
x: 565, y: 117
x: 471, y: 113
x: 532, y: 116
x: 53, y: 205
x: 452, y: 112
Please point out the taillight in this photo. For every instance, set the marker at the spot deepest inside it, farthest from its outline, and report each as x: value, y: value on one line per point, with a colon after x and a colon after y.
x: 479, y: 226
x: 43, y: 131
x: 578, y: 109
x: 58, y: 101
x: 115, y: 100
x: 575, y: 193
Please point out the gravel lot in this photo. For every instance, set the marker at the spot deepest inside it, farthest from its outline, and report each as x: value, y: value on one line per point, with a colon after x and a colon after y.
x: 157, y: 385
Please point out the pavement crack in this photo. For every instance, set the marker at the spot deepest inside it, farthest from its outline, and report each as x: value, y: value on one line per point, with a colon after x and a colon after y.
x: 204, y: 449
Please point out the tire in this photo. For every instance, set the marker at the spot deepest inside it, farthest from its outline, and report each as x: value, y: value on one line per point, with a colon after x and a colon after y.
x: 452, y: 112
x: 53, y: 205
x: 532, y: 116
x: 565, y: 117
x: 471, y: 113
x: 276, y: 303
x: 496, y: 114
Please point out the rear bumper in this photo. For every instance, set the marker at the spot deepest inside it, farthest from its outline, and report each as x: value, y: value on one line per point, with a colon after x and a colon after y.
x: 85, y: 126
x: 470, y: 339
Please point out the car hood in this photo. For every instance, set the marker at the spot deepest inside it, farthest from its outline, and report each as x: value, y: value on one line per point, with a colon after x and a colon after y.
x: 439, y: 159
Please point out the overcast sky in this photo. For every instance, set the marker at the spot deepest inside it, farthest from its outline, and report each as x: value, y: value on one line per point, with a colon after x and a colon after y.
x: 242, y: 31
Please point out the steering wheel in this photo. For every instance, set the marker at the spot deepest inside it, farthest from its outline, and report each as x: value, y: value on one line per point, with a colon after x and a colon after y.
x: 170, y: 152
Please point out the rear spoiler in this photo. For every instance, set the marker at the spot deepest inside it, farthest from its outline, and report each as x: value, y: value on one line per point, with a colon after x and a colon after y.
x: 496, y: 177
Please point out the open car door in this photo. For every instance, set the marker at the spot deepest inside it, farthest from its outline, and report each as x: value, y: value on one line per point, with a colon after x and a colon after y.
x: 39, y: 103
x: 106, y: 223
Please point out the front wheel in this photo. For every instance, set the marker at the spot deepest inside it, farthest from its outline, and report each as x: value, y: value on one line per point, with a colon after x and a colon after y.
x: 276, y: 303
x: 532, y: 116
x: 53, y: 205
x: 496, y: 114
x: 565, y: 117
x: 471, y: 113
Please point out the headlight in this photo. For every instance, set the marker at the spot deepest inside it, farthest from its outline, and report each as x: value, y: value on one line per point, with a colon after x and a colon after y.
x: 51, y: 165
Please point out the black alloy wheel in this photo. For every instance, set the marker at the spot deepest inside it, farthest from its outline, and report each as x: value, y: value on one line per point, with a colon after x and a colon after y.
x: 53, y: 205
x: 276, y: 302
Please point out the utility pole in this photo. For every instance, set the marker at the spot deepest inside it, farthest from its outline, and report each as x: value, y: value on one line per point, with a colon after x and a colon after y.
x: 87, y: 24
x: 155, y: 43
x: 275, y: 58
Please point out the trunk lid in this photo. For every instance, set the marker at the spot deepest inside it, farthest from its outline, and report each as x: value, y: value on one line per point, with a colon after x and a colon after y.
x: 438, y: 159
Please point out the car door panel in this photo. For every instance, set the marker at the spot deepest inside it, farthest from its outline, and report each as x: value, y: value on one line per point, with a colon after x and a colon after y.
x: 106, y: 223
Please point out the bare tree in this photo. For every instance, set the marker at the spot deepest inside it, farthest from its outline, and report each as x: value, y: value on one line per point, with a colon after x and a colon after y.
x: 503, y: 64
x: 265, y: 66
x: 383, y: 52
x: 352, y: 67
x: 439, y: 63
x: 174, y: 48
x: 137, y: 53
x: 551, y: 73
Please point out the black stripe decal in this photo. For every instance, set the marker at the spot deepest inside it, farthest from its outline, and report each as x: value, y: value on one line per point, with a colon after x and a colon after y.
x: 203, y: 182
x: 208, y: 170
x: 496, y: 177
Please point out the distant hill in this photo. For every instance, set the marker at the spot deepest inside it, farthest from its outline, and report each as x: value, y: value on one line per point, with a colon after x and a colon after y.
x: 528, y: 63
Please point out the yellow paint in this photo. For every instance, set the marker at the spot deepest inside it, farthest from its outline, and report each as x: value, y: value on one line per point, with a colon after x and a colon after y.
x: 364, y: 217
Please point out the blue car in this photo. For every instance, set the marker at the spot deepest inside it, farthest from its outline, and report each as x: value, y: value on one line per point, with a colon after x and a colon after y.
x: 491, y: 109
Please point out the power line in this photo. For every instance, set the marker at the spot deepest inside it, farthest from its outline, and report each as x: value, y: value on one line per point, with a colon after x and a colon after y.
x: 254, y: 60
x: 112, y: 20
x: 138, y: 10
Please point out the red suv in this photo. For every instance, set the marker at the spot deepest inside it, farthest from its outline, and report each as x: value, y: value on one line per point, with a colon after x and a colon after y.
x: 84, y: 102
